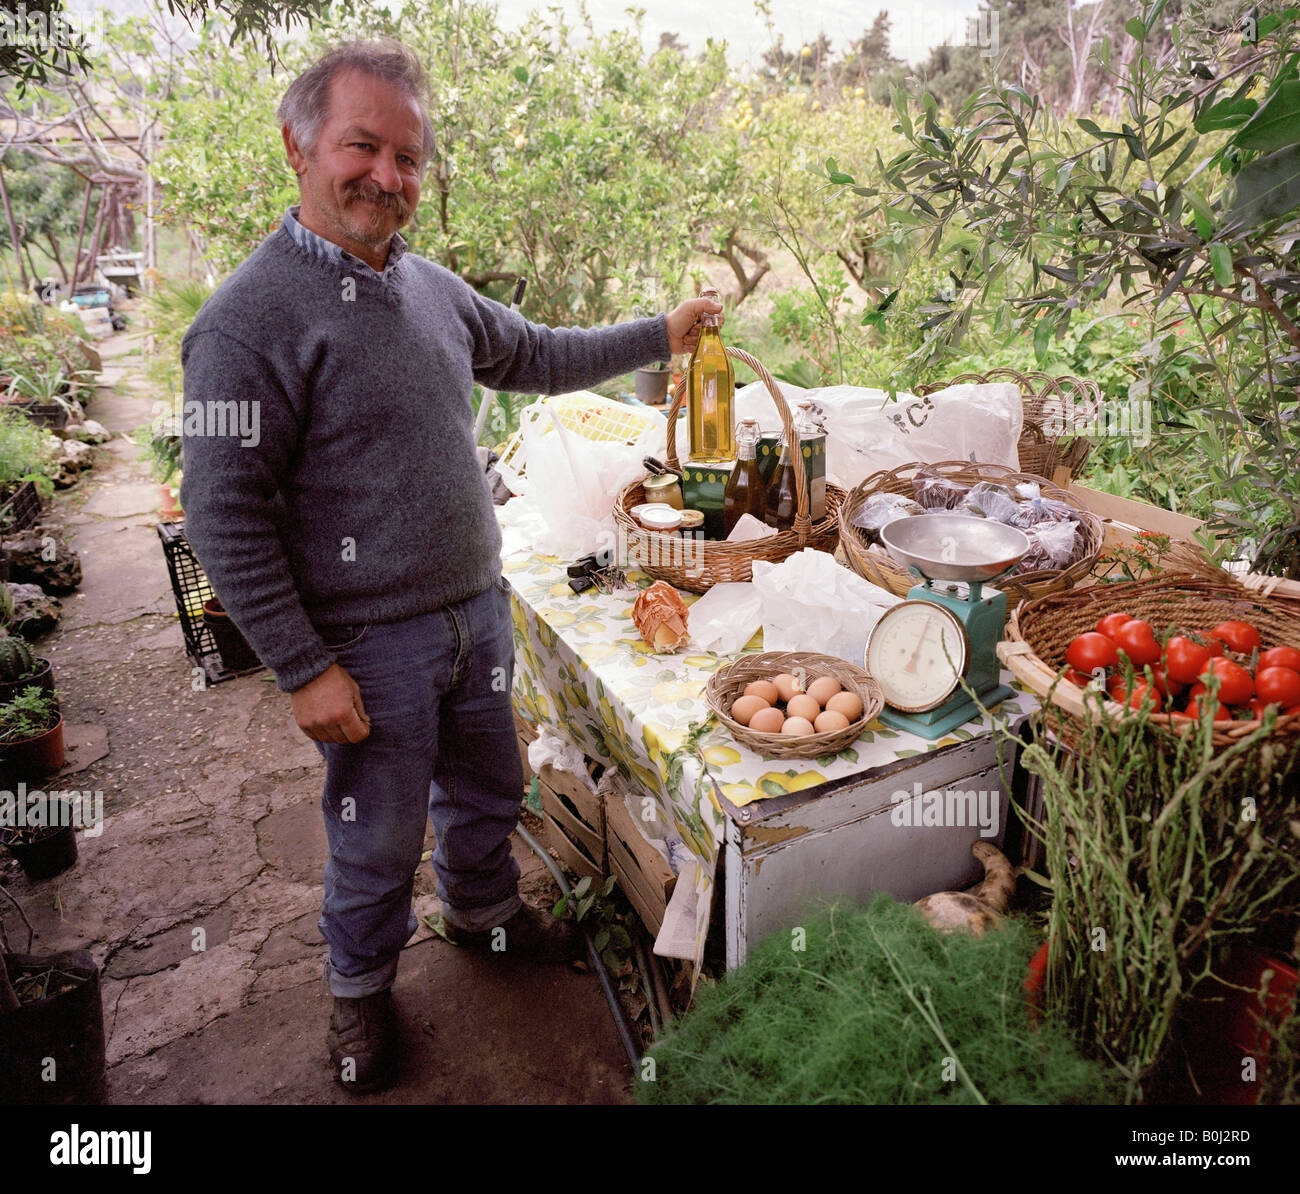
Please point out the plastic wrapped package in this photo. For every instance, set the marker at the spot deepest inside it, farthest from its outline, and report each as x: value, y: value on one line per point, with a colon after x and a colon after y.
x: 1052, y: 545
x: 880, y: 509
x: 986, y: 500
x: 1040, y: 511
x: 938, y: 493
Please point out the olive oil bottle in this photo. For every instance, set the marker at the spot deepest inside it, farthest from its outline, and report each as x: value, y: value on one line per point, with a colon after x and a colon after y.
x: 711, y: 394
x: 746, y: 491
x: 782, y: 500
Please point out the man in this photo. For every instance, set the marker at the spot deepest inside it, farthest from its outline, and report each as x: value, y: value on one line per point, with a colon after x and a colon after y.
x: 353, y: 539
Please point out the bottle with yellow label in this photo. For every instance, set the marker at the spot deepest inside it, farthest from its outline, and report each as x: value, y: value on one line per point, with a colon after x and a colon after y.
x: 711, y: 393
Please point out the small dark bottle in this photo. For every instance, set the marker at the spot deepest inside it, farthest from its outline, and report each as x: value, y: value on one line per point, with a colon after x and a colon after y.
x: 781, y: 497
x: 746, y: 491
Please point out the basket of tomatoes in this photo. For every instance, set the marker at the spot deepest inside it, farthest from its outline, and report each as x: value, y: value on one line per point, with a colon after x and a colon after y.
x: 1181, y: 646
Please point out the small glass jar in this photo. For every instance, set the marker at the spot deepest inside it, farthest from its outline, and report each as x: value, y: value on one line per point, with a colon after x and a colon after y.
x: 660, y: 517
x: 663, y: 488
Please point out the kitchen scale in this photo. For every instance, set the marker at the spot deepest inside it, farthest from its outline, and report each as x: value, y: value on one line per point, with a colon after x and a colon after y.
x: 949, y: 626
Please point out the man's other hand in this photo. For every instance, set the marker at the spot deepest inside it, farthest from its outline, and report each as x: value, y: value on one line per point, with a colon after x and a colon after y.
x: 684, y: 323
x: 329, y: 709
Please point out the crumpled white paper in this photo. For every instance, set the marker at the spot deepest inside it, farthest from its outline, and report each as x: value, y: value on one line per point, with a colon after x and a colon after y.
x: 726, y: 617
x: 562, y: 755
x: 811, y: 603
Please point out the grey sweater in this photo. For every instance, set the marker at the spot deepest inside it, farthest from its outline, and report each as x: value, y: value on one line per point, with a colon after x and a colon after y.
x: 330, y: 476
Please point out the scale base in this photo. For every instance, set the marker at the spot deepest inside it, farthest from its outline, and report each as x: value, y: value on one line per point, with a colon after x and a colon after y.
x: 947, y: 717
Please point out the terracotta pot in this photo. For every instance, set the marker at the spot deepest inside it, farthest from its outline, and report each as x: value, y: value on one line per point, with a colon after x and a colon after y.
x: 32, y: 759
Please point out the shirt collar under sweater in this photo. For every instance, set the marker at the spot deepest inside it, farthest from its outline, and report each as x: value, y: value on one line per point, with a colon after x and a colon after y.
x: 318, y: 246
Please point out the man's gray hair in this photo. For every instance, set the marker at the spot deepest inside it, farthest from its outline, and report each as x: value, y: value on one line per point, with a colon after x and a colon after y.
x: 305, y: 105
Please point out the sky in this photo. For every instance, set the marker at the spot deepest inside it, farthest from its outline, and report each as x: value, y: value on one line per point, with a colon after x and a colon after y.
x: 914, y: 26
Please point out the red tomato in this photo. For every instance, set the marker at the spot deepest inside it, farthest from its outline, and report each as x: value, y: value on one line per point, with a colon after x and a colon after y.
x: 1292, y: 712
x: 1278, y: 686
x: 1281, y: 657
x: 1241, y: 637
x: 1078, y: 678
x: 1111, y: 623
x: 1160, y: 680
x: 1235, y: 684
x: 1138, y: 641
x: 1140, y: 690
x: 1091, y: 650
x: 1185, y: 659
x: 1194, y: 710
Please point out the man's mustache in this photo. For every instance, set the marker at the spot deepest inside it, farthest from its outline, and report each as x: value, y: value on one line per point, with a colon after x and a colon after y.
x: 372, y: 194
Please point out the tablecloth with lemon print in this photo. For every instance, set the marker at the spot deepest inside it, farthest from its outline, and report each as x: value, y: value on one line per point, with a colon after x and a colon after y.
x: 582, y: 669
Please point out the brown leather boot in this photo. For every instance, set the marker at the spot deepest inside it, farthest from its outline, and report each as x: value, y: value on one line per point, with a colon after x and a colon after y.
x: 362, y: 1042
x: 530, y: 933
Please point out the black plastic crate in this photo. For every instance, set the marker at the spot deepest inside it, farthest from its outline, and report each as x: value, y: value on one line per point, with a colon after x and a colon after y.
x: 192, y: 589
x: 22, y: 510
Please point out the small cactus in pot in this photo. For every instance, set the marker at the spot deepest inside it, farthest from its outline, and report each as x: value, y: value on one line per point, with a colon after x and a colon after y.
x: 20, y: 668
x: 16, y: 659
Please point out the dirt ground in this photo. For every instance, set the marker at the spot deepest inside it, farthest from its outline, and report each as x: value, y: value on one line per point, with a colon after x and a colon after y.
x: 212, y: 823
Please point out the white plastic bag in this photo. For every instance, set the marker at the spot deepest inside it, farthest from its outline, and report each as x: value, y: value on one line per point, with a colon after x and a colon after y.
x: 573, y: 484
x: 811, y: 603
x: 865, y: 432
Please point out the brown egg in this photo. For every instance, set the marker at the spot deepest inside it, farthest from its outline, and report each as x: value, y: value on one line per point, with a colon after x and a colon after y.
x: 822, y: 689
x: 848, y: 703
x: 830, y: 721
x: 745, y: 707
x: 765, y: 689
x: 767, y: 721
x: 797, y: 725
x: 787, y: 685
x: 802, y: 705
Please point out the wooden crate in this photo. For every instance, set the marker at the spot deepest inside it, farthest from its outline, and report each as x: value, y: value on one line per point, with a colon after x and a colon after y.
x: 527, y: 733
x: 574, y: 817
x: 640, y: 869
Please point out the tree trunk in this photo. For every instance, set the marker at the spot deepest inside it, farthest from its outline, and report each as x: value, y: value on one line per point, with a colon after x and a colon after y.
x: 13, y: 230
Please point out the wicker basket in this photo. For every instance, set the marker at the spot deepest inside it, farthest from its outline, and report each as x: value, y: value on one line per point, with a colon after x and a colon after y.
x: 728, y: 683
x: 1038, y: 633
x: 699, y: 564
x: 879, y: 568
x: 1051, y: 403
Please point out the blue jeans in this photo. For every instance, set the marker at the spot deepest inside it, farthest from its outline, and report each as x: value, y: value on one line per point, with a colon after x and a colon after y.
x: 442, y: 743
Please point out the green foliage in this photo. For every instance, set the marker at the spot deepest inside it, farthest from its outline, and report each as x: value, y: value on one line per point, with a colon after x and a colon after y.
x: 28, y: 715
x: 1154, y: 861
x: 1187, y: 213
x: 877, y: 1007
x: 24, y: 453
x: 598, y: 914
x: 47, y: 202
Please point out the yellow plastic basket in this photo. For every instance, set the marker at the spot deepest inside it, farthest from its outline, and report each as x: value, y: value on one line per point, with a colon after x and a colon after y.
x: 588, y: 415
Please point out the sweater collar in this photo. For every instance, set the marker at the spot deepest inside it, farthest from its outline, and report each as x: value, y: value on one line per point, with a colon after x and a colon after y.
x: 315, y: 244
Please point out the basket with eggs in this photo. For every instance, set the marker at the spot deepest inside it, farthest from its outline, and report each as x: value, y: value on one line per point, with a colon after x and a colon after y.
x: 794, y: 704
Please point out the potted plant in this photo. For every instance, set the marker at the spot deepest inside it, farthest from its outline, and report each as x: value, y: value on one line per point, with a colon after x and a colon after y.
x: 31, y: 736
x: 652, y: 383
x: 26, y: 462
x: 45, y: 397
x: 51, y: 1025
x: 20, y: 669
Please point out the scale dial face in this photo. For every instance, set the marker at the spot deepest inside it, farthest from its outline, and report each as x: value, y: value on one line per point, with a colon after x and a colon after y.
x: 917, y: 652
